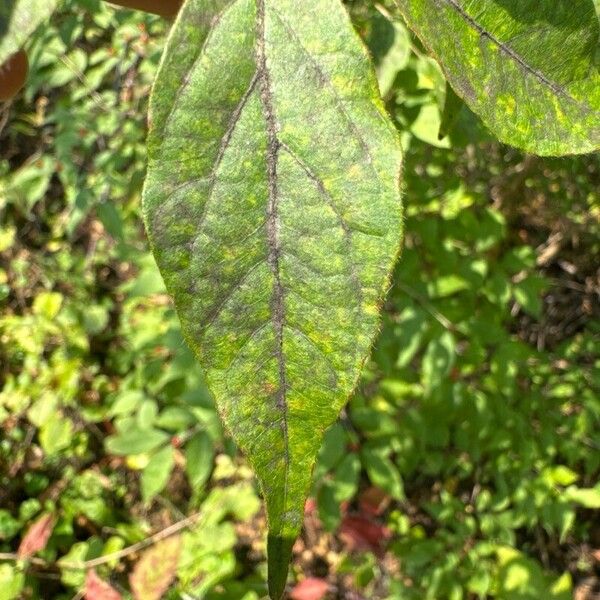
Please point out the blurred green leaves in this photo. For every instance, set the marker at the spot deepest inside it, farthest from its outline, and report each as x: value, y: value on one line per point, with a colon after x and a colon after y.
x: 437, y: 361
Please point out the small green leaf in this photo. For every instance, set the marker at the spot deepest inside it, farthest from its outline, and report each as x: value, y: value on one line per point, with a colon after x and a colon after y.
x: 199, y: 454
x: 346, y: 478
x: 453, y: 104
x: 446, y: 285
x: 562, y: 587
x: 47, y: 304
x: 56, y: 433
x: 127, y: 402
x: 175, y: 418
x: 329, y: 507
x: 12, y: 582
x: 136, y: 441
x: 427, y: 126
x: 156, y: 473
x: 273, y: 209
x: 18, y: 20
x: 586, y: 497
x: 333, y: 449
x: 146, y: 414
x: 560, y: 475
x: 383, y: 473
x: 528, y: 294
x: 412, y: 325
x: 438, y: 360
x: 43, y: 409
x: 9, y: 526
x: 389, y: 43
x: 78, y: 553
x: 526, y: 67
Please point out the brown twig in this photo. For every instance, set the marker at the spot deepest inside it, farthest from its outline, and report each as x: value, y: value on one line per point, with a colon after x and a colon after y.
x: 428, y: 306
x: 101, y: 560
x: 4, y: 114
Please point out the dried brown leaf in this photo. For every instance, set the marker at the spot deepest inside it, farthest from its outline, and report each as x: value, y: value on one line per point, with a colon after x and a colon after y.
x: 155, y: 571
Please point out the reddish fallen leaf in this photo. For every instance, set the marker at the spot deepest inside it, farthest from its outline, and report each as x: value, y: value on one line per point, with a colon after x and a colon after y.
x: 311, y: 588
x: 37, y: 536
x: 310, y: 506
x: 360, y: 533
x: 373, y: 501
x: 154, y: 572
x: 344, y: 506
x: 98, y: 589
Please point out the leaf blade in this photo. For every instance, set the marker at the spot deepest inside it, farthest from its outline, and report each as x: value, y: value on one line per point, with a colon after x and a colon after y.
x: 275, y: 217
x: 155, y: 475
x: 526, y: 68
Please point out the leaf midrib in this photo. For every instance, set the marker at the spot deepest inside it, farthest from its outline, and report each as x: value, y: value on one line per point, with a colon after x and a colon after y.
x: 273, y: 243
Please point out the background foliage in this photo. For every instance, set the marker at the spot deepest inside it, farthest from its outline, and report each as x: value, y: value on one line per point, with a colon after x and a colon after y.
x: 466, y: 466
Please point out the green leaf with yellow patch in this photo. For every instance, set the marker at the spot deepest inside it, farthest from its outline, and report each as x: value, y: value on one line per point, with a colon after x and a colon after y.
x: 273, y: 209
x: 529, y: 68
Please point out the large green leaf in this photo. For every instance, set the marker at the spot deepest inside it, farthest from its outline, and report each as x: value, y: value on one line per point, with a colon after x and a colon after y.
x: 529, y: 68
x: 273, y: 208
x: 18, y: 20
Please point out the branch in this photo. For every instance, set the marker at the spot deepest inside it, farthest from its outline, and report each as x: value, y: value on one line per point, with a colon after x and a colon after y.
x: 101, y: 560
